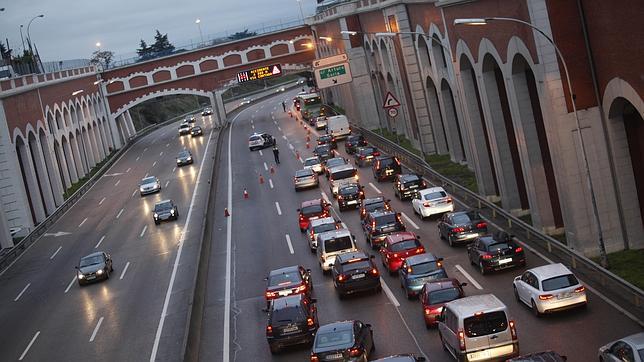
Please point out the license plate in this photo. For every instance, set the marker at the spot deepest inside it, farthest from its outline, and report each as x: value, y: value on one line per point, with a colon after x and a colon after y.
x: 389, y: 228
x: 505, y: 261
x: 389, y: 172
x: 413, y: 187
x: 291, y: 329
x: 358, y: 276
x: 284, y: 292
x: 352, y: 202
x: 563, y: 296
x: 334, y: 356
x: 91, y: 277
x: 369, y: 157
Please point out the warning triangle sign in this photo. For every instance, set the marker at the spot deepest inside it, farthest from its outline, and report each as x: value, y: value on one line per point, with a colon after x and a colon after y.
x: 276, y: 70
x: 390, y: 101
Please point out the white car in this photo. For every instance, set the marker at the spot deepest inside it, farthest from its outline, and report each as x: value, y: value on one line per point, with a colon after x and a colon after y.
x: 260, y: 140
x: 549, y: 288
x: 318, y: 226
x: 184, y: 128
x: 149, y: 185
x: 314, y: 164
x: 320, y: 122
x: 245, y: 101
x: 432, y: 201
x: 629, y: 348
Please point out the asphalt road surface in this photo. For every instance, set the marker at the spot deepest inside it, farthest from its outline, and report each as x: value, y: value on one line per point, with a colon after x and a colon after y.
x: 262, y: 234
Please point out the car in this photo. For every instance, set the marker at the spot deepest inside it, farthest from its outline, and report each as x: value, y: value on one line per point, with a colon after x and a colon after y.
x: 196, y: 131
x: 495, y: 253
x: 364, y: 155
x: 461, y: 227
x: 372, y: 204
x: 353, y: 142
x: 355, y: 272
x: 385, y: 168
x: 629, y: 348
x: 549, y: 288
x: 305, y: 178
x: 292, y: 320
x: 149, y: 185
x: 314, y: 164
x: 397, y: 247
x: 286, y: 281
x: 333, y: 162
x: 320, y: 122
x: 406, y: 186
x: 545, y: 356
x: 333, y: 243
x: 184, y: 158
x: 349, y: 195
x: 431, y: 201
x: 190, y: 119
x: 318, y: 225
x: 309, y: 209
x: 327, y: 139
x: 324, y: 152
x: 405, y: 357
x: 258, y: 141
x: 435, y: 293
x: 341, y: 175
x: 93, y: 267
x: 184, y: 128
x: 165, y: 210
x: 343, y: 341
x: 379, y: 224
x: 419, y: 269
x: 245, y: 101
x: 206, y: 111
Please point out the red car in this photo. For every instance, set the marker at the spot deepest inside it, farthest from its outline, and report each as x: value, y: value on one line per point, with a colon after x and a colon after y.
x: 435, y: 294
x: 312, y: 208
x: 286, y: 281
x: 397, y: 247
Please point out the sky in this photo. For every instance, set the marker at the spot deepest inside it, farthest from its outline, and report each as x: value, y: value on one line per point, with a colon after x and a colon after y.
x: 70, y: 29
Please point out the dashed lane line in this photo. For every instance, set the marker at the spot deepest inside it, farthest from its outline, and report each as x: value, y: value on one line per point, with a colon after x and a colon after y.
x: 119, y: 214
x: 161, y: 153
x: 389, y: 293
x: 55, y: 252
x: 117, y: 183
x: 124, y: 270
x: 128, y: 169
x: 290, y: 246
x: 265, y: 166
x: 22, y: 292
x: 374, y: 187
x: 469, y: 277
x: 261, y: 153
x: 82, y: 222
x: 70, y: 285
x: 277, y: 206
x: 134, y: 193
x: 174, y: 169
x: 138, y: 158
x: 143, y: 231
x: 154, y: 163
x: 270, y: 182
x: 29, y: 346
x: 98, y: 326
x: 101, y: 202
x: 99, y: 242
x: 166, y: 184
x: 410, y: 221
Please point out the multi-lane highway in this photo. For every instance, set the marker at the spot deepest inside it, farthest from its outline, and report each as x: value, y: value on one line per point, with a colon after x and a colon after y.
x: 44, y: 313
x: 262, y: 234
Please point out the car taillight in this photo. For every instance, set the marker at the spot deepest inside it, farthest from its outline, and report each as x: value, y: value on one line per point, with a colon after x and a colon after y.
x: 309, y: 322
x: 271, y: 295
x: 376, y: 153
x: 301, y: 289
x: 420, y: 250
x: 312, y: 233
x: 580, y: 289
x: 458, y: 230
x: 373, y: 225
x: 314, y: 358
x: 427, y: 204
x: 362, y: 157
x: 546, y: 296
x: 374, y: 272
x: 341, y: 278
x: 395, y: 255
x: 439, y: 264
x: 397, y: 161
x: 301, y: 217
x: 449, y: 200
x: 461, y: 340
x: 340, y: 197
x: 357, y: 177
x: 513, y: 330
x: 481, y: 225
x: 428, y: 311
x: 355, y: 352
x: 518, y: 249
x: 487, y: 256
x: 269, y: 330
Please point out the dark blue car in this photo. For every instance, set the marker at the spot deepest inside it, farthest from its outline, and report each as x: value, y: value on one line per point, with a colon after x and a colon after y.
x: 419, y: 269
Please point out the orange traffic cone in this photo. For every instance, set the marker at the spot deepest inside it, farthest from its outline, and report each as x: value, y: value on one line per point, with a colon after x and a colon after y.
x: 290, y: 114
x: 226, y: 213
x: 308, y: 145
x: 308, y: 138
x: 245, y: 194
x: 261, y: 179
x: 272, y: 169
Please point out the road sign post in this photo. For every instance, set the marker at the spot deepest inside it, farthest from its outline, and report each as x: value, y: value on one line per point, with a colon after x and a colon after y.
x: 332, y: 71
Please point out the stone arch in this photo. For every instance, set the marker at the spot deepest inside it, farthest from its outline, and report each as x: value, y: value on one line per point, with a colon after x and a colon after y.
x: 58, y: 118
x: 161, y: 76
x: 454, y: 133
x: 138, y: 81
x: 424, y: 60
x: 255, y: 54
x: 78, y: 163
x: 436, y: 117
x: 165, y: 92
x: 438, y: 51
x: 52, y: 170
x: 30, y: 181
x: 50, y: 122
x: 209, y: 64
x: 42, y: 177
x: 232, y: 60
x: 279, y: 49
x: 87, y: 145
x: 185, y: 70
x: 98, y: 140
x: 385, y: 62
x: 93, y: 145
x: 69, y: 159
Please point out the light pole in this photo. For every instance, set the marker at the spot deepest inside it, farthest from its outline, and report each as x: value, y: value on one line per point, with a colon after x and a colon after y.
x: 23, y: 39
x: 582, y: 145
x: 28, y: 36
x: 198, y: 22
x: 299, y: 2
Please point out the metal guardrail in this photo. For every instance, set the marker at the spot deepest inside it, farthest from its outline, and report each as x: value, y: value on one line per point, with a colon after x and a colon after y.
x: 625, y: 294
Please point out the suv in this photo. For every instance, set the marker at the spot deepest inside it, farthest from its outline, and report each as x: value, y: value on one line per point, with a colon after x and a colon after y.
x: 379, y: 224
x: 341, y: 175
x: 324, y: 152
x: 386, y: 168
x: 333, y: 243
x: 406, y: 186
x: 258, y: 141
x: 373, y: 204
x: 286, y: 281
x: 495, y: 253
x: 477, y: 328
x: 355, y: 272
x: 319, y: 225
x: 364, y: 156
x: 291, y: 320
x: 461, y: 226
x: 349, y: 195
x: 310, y: 209
x: 327, y: 139
x: 353, y: 142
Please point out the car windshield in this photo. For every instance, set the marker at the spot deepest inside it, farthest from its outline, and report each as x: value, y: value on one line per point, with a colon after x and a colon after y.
x: 311, y: 162
x: 405, y: 245
x: 339, y: 175
x: 184, y: 126
x: 443, y: 295
x: 254, y: 138
x: 184, y: 154
x: 367, y: 150
x: 379, y: 205
x: 464, y: 218
x: 288, y: 314
x: 91, y: 260
x: 435, y: 195
x: 325, y: 138
x: 163, y: 206
x: 352, y: 139
x: 281, y: 279
x: 303, y: 173
x: 484, y: 324
x: 498, y: 246
x: 559, y: 282
x: 322, y: 149
x: 356, y: 265
x: 196, y: 128
x: 324, y: 227
x: 148, y: 180
x: 337, y: 338
x: 424, y: 268
x: 386, y: 219
x: 411, y: 181
x: 386, y: 161
x: 349, y: 190
x: 311, y: 209
x: 337, y: 244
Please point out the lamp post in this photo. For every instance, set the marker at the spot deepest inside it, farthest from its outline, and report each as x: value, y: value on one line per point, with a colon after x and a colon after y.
x: 198, y: 22
x: 23, y: 39
x: 28, y: 35
x: 582, y: 145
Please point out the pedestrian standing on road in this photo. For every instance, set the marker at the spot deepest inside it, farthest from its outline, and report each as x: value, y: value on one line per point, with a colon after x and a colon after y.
x: 284, y: 105
x: 276, y: 154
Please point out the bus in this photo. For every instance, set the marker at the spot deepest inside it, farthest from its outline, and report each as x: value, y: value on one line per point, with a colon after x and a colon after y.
x: 309, y: 104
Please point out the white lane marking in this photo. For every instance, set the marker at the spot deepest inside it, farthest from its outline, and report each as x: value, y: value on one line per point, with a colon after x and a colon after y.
x: 174, y: 169
x: 134, y: 193
x: 22, y: 292
x: 261, y: 153
x: 374, y: 187
x: 265, y: 166
x: 166, y: 183
x: 82, y: 222
x: 146, y: 175
x: 390, y: 295
x: 102, y: 200
x: 119, y: 214
x: 277, y: 206
x: 410, y: 221
x: 124, y: 270
x: 469, y: 277
x: 291, y: 146
x: 154, y: 163
x: 143, y: 231
x: 70, y: 285
x: 29, y: 346
x: 145, y: 149
x: 117, y: 183
x: 98, y: 325
x: 290, y: 246
x: 278, y: 127
x: 99, y: 242
x: 128, y: 170
x: 161, y: 154
x: 55, y: 252
x: 138, y: 158
x: 175, y: 267
x: 167, y: 145
x: 252, y: 126
x: 270, y: 182
x: 325, y: 197
x: 285, y: 139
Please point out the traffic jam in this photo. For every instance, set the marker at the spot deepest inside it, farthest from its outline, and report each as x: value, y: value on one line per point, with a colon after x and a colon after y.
x: 468, y: 326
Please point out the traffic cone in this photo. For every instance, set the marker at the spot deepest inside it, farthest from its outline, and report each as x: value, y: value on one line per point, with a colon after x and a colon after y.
x: 308, y: 132
x: 297, y: 154
x: 272, y: 169
x: 226, y: 213
x: 261, y: 179
x: 245, y: 194
x: 308, y: 145
x: 308, y: 138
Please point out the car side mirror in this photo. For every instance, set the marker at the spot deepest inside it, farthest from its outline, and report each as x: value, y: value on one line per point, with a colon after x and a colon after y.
x: 76, y: 267
x: 398, y: 214
x: 308, y: 271
x: 388, y: 200
x: 463, y: 284
x: 439, y: 259
x: 298, y: 210
x: 368, y: 325
x: 418, y: 237
x: 266, y: 278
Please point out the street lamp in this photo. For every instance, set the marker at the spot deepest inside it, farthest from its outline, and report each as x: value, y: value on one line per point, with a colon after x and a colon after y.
x: 77, y: 92
x: 582, y: 145
x: 198, y: 22
x: 328, y: 39
x: 28, y: 26
x: 98, y: 45
x: 23, y: 39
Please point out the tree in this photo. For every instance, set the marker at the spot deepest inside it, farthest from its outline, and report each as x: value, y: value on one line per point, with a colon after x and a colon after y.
x: 144, y: 52
x: 242, y: 34
x: 161, y: 44
x: 102, y: 58
x: 5, y: 52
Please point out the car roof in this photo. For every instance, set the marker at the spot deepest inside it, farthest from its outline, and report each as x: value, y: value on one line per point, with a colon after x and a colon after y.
x: 468, y: 306
x: 359, y: 255
x: 488, y: 240
x: 284, y: 270
x: 311, y: 202
x: 325, y: 135
x: 420, y: 258
x: 339, y: 325
x: 347, y: 185
x: 385, y: 157
x: 151, y: 178
x: 400, y: 236
x: 379, y: 213
x: 409, y: 177
x: 443, y: 283
x: 322, y: 221
x: 429, y: 190
x: 343, y: 168
x: 550, y: 270
x: 316, y: 158
x: 162, y: 202
x: 97, y: 253
x: 407, y: 357
x: 334, y: 234
x: 304, y: 171
x: 636, y: 340
x: 287, y: 302
x: 373, y: 200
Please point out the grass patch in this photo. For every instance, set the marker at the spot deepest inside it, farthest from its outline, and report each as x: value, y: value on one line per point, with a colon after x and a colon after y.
x: 628, y: 264
x: 402, y: 141
x: 77, y: 185
x: 453, y: 171
x: 338, y: 109
x: 527, y: 218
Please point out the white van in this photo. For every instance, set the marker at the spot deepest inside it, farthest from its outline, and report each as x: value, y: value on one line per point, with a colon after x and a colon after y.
x: 477, y: 328
x: 338, y: 126
x: 332, y: 243
x: 340, y: 175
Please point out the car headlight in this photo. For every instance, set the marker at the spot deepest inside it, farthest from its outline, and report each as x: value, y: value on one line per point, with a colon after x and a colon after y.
x: 99, y: 272
x: 172, y: 212
x: 141, y: 189
x: 81, y: 276
x: 156, y: 216
x: 189, y: 158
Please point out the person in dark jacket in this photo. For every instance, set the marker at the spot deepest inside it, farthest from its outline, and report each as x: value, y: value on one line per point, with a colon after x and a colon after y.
x: 276, y: 154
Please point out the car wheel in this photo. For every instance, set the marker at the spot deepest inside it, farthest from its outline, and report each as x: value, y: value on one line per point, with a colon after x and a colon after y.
x: 481, y: 268
x: 274, y: 349
x: 442, y: 342
x: 450, y: 241
x: 313, y: 250
x: 535, y: 310
x: 156, y: 222
x: 440, y: 234
x: 302, y: 230
x: 410, y: 296
x: 107, y: 274
x: 516, y: 294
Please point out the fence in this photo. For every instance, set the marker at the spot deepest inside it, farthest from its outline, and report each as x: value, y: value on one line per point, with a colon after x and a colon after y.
x: 623, y: 293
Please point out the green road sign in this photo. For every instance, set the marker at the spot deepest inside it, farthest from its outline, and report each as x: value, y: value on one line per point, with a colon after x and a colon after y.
x: 333, y: 71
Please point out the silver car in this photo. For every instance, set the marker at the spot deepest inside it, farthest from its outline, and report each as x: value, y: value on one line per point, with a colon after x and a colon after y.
x: 305, y: 178
x: 320, y: 123
x: 549, y: 288
x: 149, y: 185
x: 314, y: 164
x: 629, y: 348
